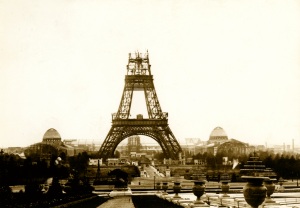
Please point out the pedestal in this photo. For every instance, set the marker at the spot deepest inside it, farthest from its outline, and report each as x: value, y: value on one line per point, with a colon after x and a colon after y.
x: 270, y: 190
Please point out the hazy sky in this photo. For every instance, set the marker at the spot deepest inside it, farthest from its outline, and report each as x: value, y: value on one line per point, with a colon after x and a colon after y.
x: 233, y: 64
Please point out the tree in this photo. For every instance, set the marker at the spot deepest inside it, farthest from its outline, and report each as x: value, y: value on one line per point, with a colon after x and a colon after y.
x: 121, y: 177
x: 79, y: 162
x: 159, y: 156
x: 117, y: 154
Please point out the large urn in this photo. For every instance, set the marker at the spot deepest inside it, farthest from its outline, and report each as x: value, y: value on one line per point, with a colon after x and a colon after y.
x: 165, y: 188
x: 254, y: 191
x: 270, y: 190
x: 280, y: 181
x: 198, y: 190
x: 176, y: 189
x: 158, y: 187
x: 225, y: 188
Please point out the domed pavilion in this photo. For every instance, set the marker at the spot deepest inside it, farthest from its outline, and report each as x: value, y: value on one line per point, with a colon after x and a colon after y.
x: 50, y: 145
x: 218, y: 136
x: 52, y: 137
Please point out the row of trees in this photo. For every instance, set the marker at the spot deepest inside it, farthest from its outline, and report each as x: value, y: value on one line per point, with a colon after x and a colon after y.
x: 33, y: 171
x: 15, y: 170
x: 286, y: 165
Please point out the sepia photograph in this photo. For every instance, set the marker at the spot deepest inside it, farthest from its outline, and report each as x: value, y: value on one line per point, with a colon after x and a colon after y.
x: 162, y: 103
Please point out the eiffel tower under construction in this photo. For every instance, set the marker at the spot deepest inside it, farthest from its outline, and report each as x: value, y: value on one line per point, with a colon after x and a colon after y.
x: 139, y: 78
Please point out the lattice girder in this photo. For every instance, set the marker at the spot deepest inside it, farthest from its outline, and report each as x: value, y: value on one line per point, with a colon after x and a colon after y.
x: 139, y: 83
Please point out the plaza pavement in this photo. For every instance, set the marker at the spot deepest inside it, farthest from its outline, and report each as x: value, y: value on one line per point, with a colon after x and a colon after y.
x: 118, y: 202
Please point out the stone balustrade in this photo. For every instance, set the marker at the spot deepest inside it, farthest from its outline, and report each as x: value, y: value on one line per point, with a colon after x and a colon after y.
x: 234, y: 200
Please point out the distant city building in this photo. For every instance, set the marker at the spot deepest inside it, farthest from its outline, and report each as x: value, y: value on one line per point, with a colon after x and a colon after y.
x: 14, y: 150
x: 234, y: 147
x: 112, y: 161
x: 217, y: 143
x: 134, y: 149
x: 260, y: 147
x: 52, y: 137
x: 52, y: 145
x: 190, y: 146
x: 218, y: 136
x: 94, y: 162
x: 134, y: 144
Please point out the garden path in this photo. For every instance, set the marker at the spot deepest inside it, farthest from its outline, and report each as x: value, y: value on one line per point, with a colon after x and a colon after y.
x: 118, y: 202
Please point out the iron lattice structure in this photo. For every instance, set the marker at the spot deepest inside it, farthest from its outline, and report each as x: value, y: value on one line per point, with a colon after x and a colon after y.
x: 156, y: 126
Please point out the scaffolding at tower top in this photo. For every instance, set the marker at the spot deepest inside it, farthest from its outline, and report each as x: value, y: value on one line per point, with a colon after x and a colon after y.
x: 138, y: 64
